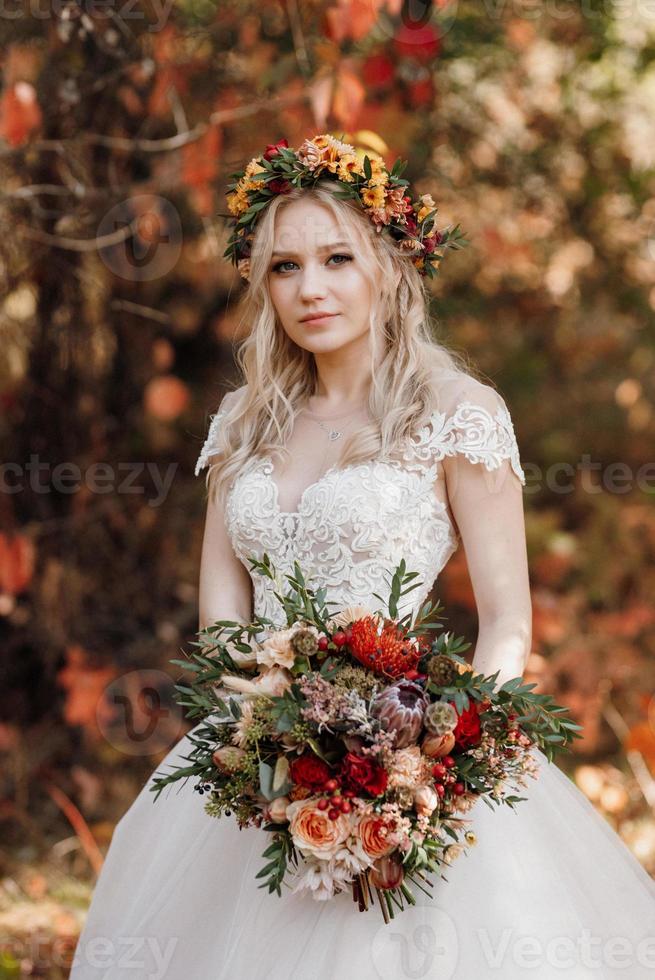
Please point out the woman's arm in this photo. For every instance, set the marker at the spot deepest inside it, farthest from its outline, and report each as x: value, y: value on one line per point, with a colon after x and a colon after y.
x: 225, y: 588
x: 488, y: 508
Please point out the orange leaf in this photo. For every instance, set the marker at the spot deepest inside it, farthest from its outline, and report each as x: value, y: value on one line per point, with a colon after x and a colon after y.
x: 85, y: 687
x: 20, y: 113
x: 348, y: 98
x: 352, y: 19
x: 16, y: 563
x: 641, y: 738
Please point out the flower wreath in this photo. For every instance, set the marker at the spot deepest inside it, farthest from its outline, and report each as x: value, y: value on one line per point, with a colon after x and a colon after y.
x: 381, y: 193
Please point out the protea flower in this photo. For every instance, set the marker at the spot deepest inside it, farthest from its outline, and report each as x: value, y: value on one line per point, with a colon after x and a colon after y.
x: 382, y: 647
x: 400, y: 708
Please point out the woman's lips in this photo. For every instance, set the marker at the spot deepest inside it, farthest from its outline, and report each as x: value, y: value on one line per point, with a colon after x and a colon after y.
x: 321, y: 319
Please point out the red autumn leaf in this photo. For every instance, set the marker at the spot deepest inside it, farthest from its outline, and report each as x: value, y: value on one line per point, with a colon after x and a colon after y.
x: 85, y: 687
x: 641, y: 738
x: 200, y: 158
x: 168, y: 77
x: 200, y: 167
x: 378, y: 70
x: 418, y: 41
x: 348, y: 97
x: 20, y: 113
x: 351, y: 19
x: 16, y: 563
x: 420, y: 93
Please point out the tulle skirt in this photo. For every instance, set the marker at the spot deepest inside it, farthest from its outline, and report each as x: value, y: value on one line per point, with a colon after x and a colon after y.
x: 549, y: 891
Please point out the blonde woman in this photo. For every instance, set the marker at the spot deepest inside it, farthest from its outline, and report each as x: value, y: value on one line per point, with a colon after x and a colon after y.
x: 354, y: 441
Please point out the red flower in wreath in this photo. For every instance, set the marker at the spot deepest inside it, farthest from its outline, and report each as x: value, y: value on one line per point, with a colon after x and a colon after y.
x: 362, y: 774
x: 272, y: 149
x: 279, y: 185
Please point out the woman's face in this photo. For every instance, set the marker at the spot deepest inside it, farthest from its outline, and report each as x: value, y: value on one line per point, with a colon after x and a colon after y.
x: 313, y: 270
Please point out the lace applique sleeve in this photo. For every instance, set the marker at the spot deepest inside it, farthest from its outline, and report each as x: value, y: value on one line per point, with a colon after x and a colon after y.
x: 483, y: 433
x: 210, y: 445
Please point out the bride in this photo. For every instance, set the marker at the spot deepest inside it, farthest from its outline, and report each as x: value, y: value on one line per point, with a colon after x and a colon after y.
x: 355, y: 441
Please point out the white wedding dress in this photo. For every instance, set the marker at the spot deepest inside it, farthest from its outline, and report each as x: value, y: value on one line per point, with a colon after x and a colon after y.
x: 549, y: 891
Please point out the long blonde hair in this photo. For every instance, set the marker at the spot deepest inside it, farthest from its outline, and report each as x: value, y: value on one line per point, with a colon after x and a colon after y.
x: 406, y: 362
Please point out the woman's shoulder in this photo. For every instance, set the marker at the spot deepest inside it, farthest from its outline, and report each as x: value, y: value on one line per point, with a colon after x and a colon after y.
x: 211, y: 444
x: 472, y: 420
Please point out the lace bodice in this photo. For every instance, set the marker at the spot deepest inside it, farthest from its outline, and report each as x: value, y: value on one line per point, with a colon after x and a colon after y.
x: 353, y: 524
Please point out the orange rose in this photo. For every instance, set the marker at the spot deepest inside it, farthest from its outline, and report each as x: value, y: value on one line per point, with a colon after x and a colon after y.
x: 373, y: 832
x: 312, y: 830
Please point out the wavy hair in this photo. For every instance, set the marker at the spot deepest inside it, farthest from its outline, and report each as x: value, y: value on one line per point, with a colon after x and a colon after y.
x: 406, y: 362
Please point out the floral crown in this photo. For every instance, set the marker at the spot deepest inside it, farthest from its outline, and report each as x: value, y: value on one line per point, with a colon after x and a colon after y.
x: 382, y: 194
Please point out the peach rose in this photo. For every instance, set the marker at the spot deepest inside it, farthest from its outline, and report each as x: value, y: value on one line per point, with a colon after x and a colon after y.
x: 276, y: 650
x: 277, y: 809
x: 373, y: 832
x: 274, y: 681
x: 313, y: 831
x: 437, y: 746
x: 409, y: 768
x: 425, y: 800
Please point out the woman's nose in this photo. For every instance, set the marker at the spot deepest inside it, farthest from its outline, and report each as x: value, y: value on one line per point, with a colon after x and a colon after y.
x: 312, y: 282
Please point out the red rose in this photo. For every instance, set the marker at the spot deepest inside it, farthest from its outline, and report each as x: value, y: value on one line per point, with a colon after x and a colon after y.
x: 309, y: 771
x: 411, y: 225
x: 468, y: 729
x: 360, y: 772
x: 272, y: 149
x: 279, y: 185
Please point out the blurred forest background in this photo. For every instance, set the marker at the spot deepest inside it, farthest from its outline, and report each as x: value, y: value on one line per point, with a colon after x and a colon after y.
x: 533, y: 126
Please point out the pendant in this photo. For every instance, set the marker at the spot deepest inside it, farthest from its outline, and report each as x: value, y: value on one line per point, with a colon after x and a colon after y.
x: 333, y: 434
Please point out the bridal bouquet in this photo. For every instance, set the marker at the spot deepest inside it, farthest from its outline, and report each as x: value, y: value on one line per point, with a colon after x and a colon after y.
x: 357, y: 739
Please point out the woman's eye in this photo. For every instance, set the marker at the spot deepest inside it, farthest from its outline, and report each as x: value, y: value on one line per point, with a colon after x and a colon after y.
x: 280, y: 265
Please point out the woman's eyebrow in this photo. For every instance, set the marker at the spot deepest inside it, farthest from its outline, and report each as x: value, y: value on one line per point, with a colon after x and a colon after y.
x: 321, y: 248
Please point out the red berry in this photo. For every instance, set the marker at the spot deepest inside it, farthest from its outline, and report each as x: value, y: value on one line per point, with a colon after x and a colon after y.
x: 331, y: 785
x: 439, y: 771
x: 339, y: 638
x: 458, y: 789
x: 411, y: 675
x: 322, y: 803
x: 448, y: 761
x: 349, y: 793
x: 440, y: 789
x: 322, y: 642
x: 345, y: 806
x: 333, y: 813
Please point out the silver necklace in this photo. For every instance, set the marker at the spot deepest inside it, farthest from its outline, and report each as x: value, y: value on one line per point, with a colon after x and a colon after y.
x: 332, y: 433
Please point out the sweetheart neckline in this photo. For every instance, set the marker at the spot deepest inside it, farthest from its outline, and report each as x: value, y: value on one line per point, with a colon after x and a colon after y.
x: 267, y: 466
